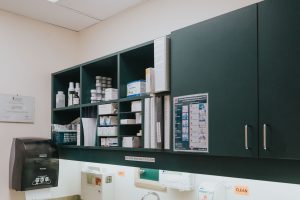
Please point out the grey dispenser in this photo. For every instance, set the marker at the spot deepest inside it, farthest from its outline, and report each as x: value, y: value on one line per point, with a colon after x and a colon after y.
x: 34, y: 164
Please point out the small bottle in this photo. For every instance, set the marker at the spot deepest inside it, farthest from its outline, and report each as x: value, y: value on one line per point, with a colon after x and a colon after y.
x: 71, y: 92
x: 60, y: 99
x: 76, y: 95
x: 77, y: 89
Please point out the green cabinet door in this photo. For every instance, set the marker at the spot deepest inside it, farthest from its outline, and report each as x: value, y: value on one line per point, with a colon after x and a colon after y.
x: 219, y: 57
x: 279, y: 79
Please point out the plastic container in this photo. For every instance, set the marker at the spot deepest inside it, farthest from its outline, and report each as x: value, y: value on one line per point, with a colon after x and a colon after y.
x: 93, y: 93
x: 99, y: 91
x: 71, y: 92
x: 60, y: 99
x: 66, y: 138
x: 99, y: 98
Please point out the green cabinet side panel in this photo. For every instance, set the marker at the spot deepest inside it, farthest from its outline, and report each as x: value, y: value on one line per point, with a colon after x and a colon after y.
x: 279, y: 78
x: 219, y: 57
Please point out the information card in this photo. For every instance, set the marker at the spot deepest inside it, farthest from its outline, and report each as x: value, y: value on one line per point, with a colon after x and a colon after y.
x: 15, y: 108
x: 190, y: 124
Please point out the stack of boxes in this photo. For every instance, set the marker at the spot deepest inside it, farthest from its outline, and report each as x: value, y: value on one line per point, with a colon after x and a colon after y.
x: 108, y: 126
x: 108, y: 121
x: 104, y: 90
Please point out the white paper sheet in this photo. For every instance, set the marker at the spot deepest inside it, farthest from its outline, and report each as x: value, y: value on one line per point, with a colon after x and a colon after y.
x: 89, y: 131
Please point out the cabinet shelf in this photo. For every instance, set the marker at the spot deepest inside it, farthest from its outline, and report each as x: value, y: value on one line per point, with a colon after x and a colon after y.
x: 134, y: 98
x: 107, y: 125
x: 102, y: 148
x: 99, y: 103
x: 66, y: 108
x: 131, y: 124
x: 131, y: 112
x: 129, y: 136
x: 112, y: 114
x: 89, y: 105
x: 108, y: 136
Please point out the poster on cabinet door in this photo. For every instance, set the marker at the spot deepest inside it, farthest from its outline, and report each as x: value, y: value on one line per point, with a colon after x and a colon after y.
x: 190, y: 123
x: 14, y: 108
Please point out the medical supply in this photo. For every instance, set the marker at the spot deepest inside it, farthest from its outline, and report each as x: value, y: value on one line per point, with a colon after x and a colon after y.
x: 136, y: 106
x: 131, y: 142
x: 106, y: 109
x: 162, y: 64
x: 136, y: 88
x: 111, y: 94
x: 103, y: 83
x: 138, y: 118
x: 76, y: 98
x: 93, y: 99
x: 71, y: 92
x: 93, y: 93
x: 60, y: 99
x: 108, y: 120
x: 77, y: 88
x: 109, y: 142
x: 107, y: 131
x: 150, y: 80
x: 128, y: 121
x: 140, y: 133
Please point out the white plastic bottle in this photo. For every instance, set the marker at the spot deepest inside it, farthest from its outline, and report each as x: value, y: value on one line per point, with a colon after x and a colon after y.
x: 71, y: 92
x: 60, y: 99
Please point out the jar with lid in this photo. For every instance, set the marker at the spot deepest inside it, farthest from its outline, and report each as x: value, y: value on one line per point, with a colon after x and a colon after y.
x: 60, y: 99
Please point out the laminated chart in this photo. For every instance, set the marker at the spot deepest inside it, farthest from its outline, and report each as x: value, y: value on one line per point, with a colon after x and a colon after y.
x: 190, y: 124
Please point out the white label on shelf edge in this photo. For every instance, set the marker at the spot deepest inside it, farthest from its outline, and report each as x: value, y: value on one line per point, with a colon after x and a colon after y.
x: 140, y: 159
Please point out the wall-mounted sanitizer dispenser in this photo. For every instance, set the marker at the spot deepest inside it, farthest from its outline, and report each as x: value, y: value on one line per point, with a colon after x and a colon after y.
x: 212, y: 191
x: 96, y: 185
x: 34, y: 164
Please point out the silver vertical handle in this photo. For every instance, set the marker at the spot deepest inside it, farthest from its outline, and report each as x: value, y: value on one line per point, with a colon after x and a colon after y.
x: 246, y: 137
x: 265, y: 136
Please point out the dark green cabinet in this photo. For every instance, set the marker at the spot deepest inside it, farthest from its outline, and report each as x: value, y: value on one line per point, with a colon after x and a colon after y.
x: 247, y: 61
x: 219, y: 57
x: 279, y: 78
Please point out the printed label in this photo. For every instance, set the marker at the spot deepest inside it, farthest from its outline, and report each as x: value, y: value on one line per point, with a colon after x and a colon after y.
x: 140, y: 159
x: 241, y: 190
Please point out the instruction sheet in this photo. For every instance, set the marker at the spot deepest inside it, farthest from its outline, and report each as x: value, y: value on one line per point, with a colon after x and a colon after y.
x: 14, y: 108
x: 190, y: 123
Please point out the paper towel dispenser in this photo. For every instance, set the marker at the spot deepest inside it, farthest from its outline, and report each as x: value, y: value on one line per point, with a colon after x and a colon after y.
x: 34, y: 164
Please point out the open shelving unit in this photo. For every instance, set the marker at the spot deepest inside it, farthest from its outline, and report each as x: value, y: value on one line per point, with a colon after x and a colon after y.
x: 203, y: 57
x: 60, y: 82
x: 123, y: 67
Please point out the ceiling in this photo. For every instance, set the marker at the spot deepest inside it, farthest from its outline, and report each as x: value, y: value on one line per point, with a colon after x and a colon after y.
x: 71, y: 14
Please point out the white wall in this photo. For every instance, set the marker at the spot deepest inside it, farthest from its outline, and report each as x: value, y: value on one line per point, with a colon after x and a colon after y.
x: 148, y: 21
x: 258, y: 190
x: 29, y: 52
